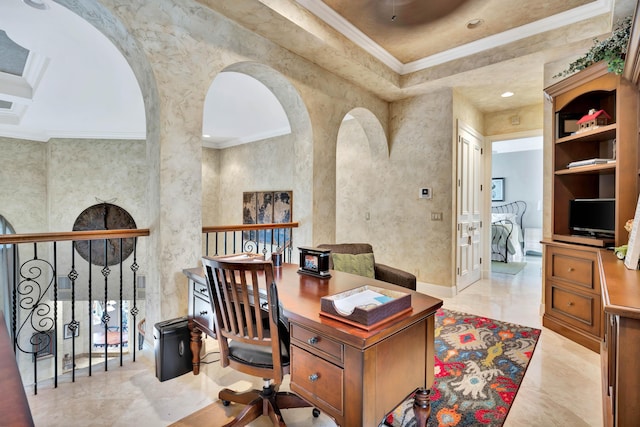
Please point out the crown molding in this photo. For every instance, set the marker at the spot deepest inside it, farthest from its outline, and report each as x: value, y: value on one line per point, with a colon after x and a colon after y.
x: 224, y: 142
x: 337, y: 22
x: 44, y: 136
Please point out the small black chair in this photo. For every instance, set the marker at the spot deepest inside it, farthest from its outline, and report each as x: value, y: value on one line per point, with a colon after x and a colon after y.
x: 252, y: 338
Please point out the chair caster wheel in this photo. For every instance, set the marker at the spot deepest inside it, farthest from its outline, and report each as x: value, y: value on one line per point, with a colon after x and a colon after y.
x: 315, y: 412
x: 225, y: 403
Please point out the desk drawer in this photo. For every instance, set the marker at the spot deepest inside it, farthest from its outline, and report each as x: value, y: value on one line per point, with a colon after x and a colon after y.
x: 201, y: 290
x: 318, y: 343
x: 576, y: 267
x: 317, y: 380
x: 203, y: 313
x: 576, y: 308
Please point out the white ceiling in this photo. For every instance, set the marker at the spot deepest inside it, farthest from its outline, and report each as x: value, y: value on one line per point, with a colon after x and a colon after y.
x: 77, y: 83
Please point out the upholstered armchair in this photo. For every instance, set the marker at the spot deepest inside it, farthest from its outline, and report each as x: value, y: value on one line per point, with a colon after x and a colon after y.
x: 381, y: 271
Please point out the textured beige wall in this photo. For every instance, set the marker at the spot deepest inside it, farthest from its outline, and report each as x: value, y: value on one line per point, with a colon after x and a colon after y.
x: 211, y: 187
x: 500, y: 123
x: 357, y: 186
x: 421, y: 156
x: 84, y: 172
x: 23, y: 184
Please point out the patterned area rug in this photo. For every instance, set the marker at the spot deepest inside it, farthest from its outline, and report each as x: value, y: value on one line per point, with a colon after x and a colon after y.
x: 479, y: 365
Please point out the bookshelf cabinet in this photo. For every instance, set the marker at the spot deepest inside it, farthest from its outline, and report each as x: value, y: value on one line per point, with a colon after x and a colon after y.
x: 594, y: 88
x: 573, y: 305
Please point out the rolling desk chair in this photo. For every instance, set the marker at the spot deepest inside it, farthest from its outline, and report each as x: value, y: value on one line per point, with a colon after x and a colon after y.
x: 249, y: 335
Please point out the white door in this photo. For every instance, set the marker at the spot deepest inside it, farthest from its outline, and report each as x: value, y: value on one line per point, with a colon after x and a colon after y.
x: 468, y: 211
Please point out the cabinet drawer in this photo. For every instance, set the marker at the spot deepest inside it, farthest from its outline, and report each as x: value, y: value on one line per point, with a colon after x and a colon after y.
x: 576, y: 267
x: 318, y: 343
x: 318, y: 380
x: 576, y: 308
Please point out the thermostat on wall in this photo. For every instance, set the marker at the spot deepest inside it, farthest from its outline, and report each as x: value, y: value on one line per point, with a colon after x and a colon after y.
x: 425, y: 193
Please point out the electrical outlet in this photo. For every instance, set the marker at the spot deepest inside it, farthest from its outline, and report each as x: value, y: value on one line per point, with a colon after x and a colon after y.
x: 436, y: 216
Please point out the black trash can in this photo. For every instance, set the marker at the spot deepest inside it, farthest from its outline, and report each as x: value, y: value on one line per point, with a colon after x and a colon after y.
x: 172, y: 348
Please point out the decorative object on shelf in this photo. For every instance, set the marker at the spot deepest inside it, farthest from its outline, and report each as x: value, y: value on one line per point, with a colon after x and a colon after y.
x: 621, y: 251
x: 593, y: 120
x: 497, y: 189
x: 612, y: 50
x: 633, y: 249
x: 567, y: 123
x: 315, y: 262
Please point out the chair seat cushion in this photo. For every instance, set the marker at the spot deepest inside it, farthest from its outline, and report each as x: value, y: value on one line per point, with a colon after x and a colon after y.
x: 360, y: 264
x: 256, y: 355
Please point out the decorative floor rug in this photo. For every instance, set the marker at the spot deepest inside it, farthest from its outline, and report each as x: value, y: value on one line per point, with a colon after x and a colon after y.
x: 479, y: 365
x: 507, y: 267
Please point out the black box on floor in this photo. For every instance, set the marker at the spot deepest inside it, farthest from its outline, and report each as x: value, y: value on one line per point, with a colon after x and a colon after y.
x: 172, y: 340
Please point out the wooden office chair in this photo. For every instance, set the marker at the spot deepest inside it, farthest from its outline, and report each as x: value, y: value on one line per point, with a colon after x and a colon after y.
x: 250, y: 336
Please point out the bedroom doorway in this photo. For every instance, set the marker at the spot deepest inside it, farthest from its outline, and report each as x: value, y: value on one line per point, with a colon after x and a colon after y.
x: 517, y: 165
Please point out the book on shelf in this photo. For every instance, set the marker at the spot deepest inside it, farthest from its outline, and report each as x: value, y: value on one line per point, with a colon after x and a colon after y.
x: 589, y: 162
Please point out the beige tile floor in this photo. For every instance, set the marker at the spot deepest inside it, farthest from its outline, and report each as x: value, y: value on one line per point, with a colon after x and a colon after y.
x: 560, y: 388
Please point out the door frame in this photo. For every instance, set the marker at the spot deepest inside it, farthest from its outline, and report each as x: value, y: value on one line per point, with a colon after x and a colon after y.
x: 488, y: 164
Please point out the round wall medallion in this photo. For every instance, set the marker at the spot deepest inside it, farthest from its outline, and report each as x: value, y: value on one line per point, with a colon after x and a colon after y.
x: 104, y: 216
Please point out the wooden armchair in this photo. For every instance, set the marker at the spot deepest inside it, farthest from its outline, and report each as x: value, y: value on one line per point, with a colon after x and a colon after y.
x: 382, y: 272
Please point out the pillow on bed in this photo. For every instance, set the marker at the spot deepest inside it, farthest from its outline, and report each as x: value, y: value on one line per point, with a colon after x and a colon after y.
x: 360, y: 264
x: 504, y: 216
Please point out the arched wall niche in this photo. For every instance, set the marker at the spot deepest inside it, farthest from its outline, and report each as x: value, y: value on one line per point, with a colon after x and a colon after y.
x: 284, y: 162
x: 361, y: 152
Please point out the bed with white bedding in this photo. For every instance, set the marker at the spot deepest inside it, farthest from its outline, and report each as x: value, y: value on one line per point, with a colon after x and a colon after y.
x: 507, y: 234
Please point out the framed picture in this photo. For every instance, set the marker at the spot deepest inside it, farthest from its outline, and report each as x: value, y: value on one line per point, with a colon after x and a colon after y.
x: 68, y: 332
x: 633, y: 248
x: 567, y: 123
x: 497, y: 189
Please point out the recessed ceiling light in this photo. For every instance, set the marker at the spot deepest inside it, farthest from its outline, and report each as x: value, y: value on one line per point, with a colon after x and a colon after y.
x: 36, y: 4
x: 507, y: 94
x: 474, y: 23
x: 206, y: 136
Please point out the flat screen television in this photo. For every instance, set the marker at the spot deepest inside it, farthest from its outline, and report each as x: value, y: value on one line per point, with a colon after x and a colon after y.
x: 592, y: 217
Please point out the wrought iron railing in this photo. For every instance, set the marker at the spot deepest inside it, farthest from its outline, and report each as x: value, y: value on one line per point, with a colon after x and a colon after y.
x: 63, y: 287
x: 60, y: 281
x: 262, y: 239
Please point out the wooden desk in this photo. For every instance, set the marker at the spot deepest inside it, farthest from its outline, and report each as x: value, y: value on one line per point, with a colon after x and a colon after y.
x: 621, y: 343
x: 353, y: 375
x: 14, y: 405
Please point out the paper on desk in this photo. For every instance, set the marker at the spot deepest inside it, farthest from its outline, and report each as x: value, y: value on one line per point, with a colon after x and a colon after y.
x: 365, y: 299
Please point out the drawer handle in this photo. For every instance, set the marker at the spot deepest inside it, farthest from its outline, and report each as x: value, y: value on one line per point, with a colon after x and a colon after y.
x: 203, y: 313
x: 570, y: 269
x: 203, y: 290
x: 313, y: 340
x: 570, y: 303
x: 313, y: 377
